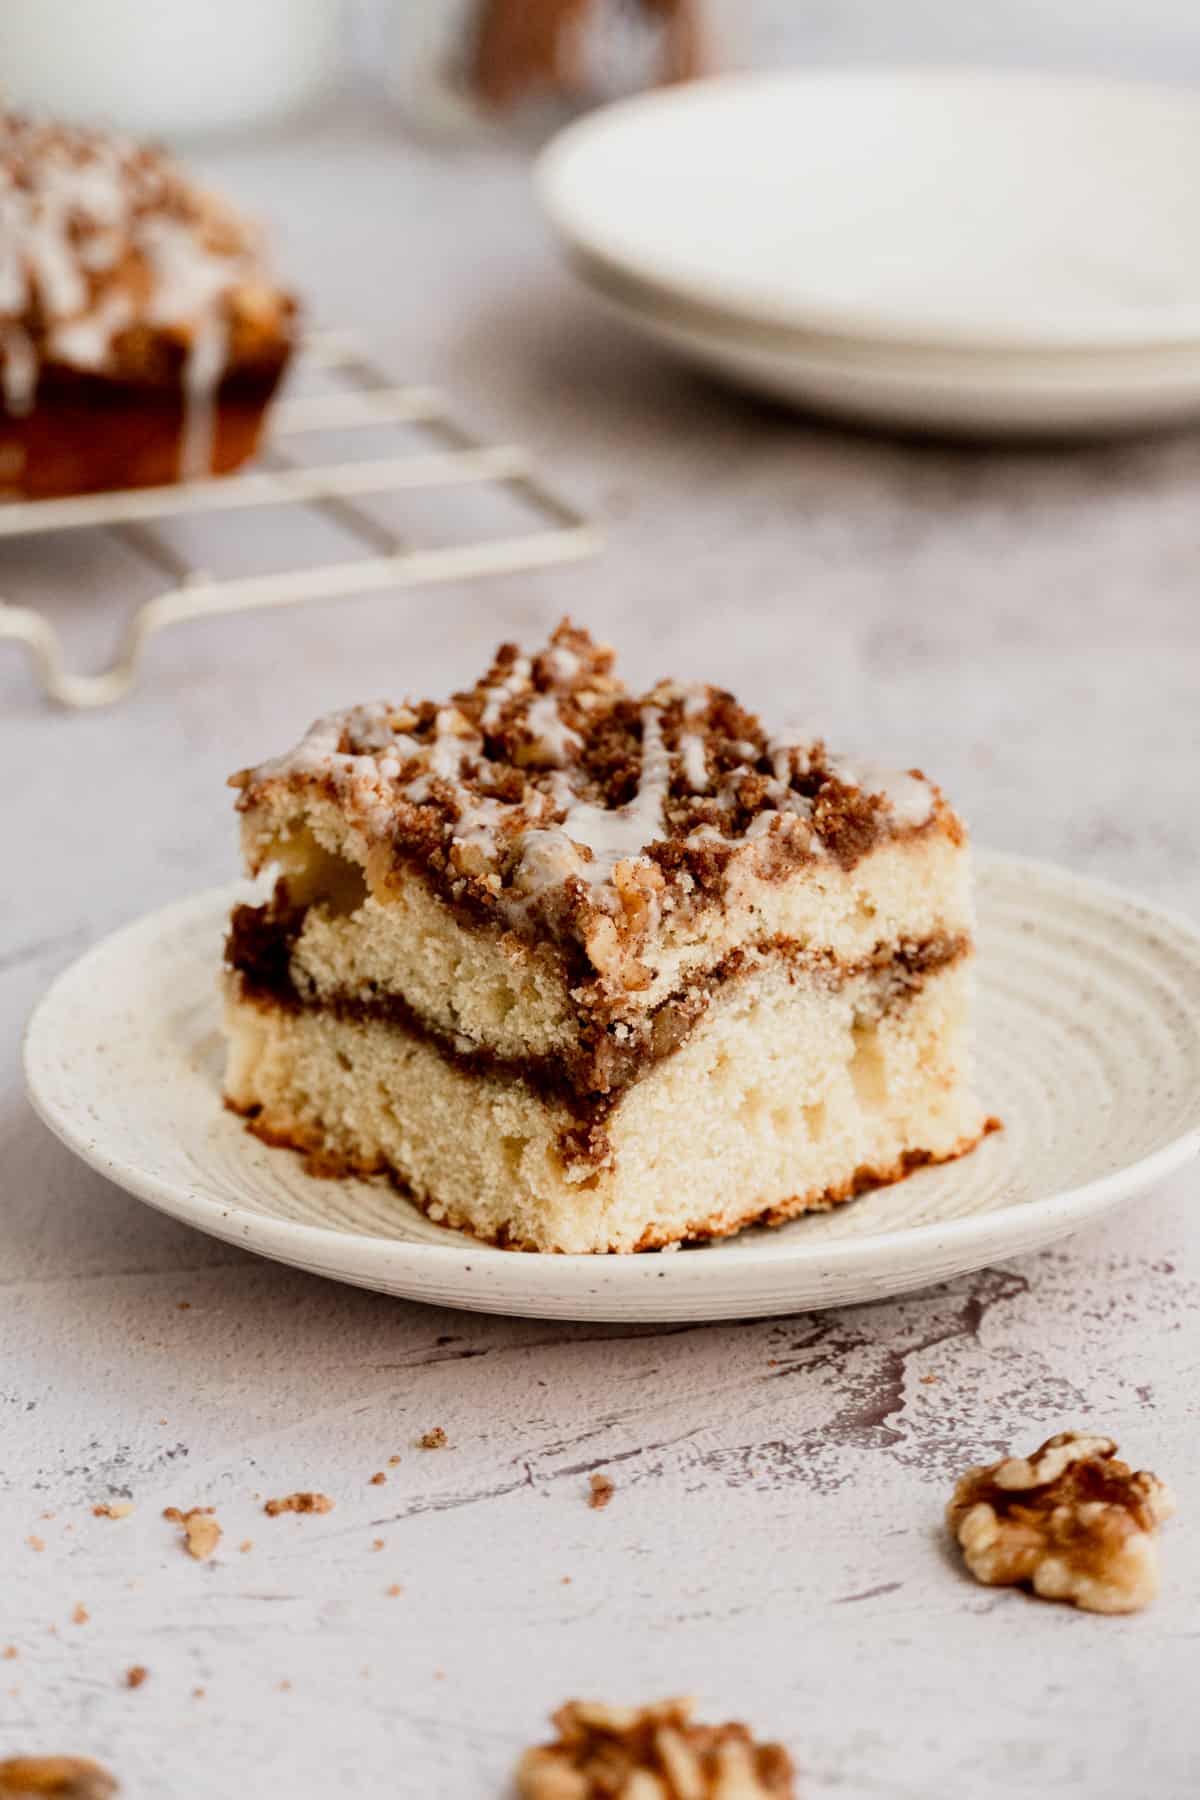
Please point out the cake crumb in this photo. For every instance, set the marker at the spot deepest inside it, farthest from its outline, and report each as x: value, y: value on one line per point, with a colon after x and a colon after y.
x: 929, y: 1380
x: 185, y: 1306
x: 377, y: 1543
x: 59, y: 1777
x: 378, y: 1479
x: 285, y: 1687
x: 201, y: 1532
x: 10, y: 1653
x: 80, y: 1615
x: 245, y: 1545
x: 394, y: 1591
x: 602, y: 1490
x: 432, y: 1440
x: 198, y: 1693
x: 48, y: 1515
x: 303, y: 1502
x: 566, y: 1581
x: 393, y: 1461
x: 35, y: 1542
x: 135, y: 1676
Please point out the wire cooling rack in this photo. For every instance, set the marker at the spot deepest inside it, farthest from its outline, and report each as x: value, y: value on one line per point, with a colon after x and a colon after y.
x: 360, y: 396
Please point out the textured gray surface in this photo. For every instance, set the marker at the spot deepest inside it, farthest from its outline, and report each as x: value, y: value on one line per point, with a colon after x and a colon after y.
x: 1024, y: 625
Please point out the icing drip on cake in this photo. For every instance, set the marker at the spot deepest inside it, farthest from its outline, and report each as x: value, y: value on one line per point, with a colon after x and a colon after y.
x: 909, y: 798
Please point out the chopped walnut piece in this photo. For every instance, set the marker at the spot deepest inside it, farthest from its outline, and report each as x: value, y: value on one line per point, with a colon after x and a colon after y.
x: 64, y: 1777
x: 1070, y: 1521
x: 651, y: 1753
x: 304, y: 1502
x: 201, y: 1532
x: 602, y: 1490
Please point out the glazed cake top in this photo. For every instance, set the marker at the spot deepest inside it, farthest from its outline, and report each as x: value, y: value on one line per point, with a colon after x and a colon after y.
x: 550, y: 799
x: 104, y: 245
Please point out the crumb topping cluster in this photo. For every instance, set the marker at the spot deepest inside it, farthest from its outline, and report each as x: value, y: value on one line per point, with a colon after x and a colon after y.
x: 112, y: 260
x: 547, y: 788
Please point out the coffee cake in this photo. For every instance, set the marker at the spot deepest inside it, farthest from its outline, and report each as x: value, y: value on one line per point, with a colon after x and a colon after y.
x: 141, y: 333
x: 587, y: 971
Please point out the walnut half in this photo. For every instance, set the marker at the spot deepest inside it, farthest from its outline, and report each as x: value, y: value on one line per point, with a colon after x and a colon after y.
x: 1070, y: 1521
x: 651, y: 1753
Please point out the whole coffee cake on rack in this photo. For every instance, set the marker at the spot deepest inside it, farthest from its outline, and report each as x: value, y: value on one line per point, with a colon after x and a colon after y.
x: 141, y: 334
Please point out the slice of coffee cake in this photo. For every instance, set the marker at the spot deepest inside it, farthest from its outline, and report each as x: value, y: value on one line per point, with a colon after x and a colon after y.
x: 591, y: 972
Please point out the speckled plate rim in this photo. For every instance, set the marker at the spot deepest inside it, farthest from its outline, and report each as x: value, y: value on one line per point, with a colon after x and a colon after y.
x: 520, y: 1282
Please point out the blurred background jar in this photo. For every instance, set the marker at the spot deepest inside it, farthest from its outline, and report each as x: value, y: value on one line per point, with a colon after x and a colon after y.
x: 171, y: 68
x: 469, y: 65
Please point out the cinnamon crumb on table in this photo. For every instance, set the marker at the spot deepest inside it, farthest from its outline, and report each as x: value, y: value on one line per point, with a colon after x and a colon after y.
x: 303, y: 1502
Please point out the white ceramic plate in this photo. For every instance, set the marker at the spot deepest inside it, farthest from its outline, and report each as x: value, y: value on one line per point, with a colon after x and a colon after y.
x: 984, y: 209
x: 947, y: 391
x: 1089, y: 1025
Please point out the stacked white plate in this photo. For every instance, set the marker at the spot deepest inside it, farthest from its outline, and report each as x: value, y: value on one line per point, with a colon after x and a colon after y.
x: 951, y: 250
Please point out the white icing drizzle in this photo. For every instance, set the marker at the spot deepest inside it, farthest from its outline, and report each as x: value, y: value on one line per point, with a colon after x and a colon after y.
x: 694, y: 759
x: 691, y: 743
x: 85, y: 342
x: 500, y: 693
x: 20, y: 371
x: 611, y: 834
x: 557, y: 743
x: 563, y: 664
x: 909, y: 797
x: 782, y: 750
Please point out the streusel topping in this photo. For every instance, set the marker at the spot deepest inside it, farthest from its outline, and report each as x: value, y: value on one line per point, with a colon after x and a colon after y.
x: 547, y: 791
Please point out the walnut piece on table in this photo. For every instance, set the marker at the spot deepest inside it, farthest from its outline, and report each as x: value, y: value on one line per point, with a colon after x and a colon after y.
x: 1070, y: 1521
x: 60, y: 1777
x: 651, y: 1753
x: 201, y: 1533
